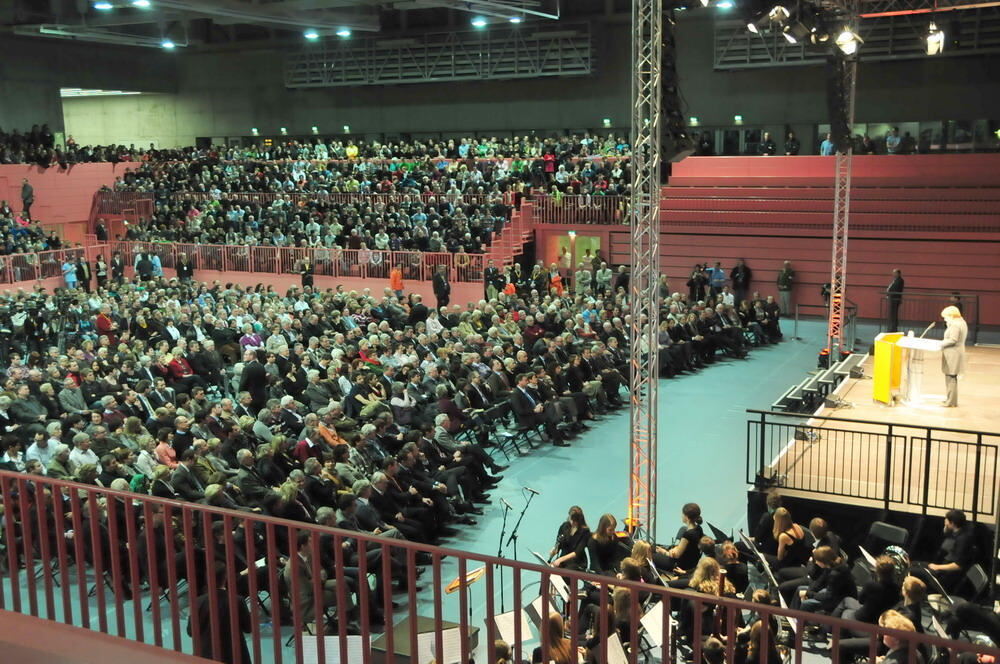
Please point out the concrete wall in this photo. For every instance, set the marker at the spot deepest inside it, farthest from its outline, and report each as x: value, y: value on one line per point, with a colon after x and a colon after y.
x: 140, y: 120
x: 33, y: 70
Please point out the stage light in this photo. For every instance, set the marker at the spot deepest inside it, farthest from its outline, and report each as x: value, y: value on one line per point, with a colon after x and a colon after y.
x: 315, y: 129
x: 935, y: 40
x: 253, y: 130
x: 606, y: 122
x: 167, y: 44
x: 516, y: 19
x: 284, y: 131
x: 693, y: 121
x: 104, y: 6
x: 479, y: 22
x: 311, y: 35
x: 344, y: 33
x: 738, y: 119
x: 778, y: 14
x: 752, y: 27
x: 347, y: 129
x: 848, y: 41
x: 141, y: 4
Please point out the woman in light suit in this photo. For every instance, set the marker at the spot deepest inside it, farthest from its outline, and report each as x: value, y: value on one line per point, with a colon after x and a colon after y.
x: 953, y: 352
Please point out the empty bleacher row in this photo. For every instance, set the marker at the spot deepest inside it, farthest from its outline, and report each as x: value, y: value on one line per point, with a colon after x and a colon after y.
x: 919, y: 215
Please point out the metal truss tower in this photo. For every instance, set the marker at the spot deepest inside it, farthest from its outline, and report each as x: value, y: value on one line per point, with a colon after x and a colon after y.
x: 842, y: 205
x: 647, y: 49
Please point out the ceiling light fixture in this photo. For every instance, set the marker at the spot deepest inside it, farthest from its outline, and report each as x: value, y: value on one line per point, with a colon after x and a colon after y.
x: 103, y: 6
x: 479, y: 22
x: 516, y: 19
x: 344, y: 33
x: 142, y: 4
x: 311, y: 35
x: 168, y: 44
x: 726, y: 4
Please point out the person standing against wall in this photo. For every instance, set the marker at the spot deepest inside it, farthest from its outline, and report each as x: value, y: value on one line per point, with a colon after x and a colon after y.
x: 27, y: 197
x: 894, y: 294
x: 786, y: 279
x: 740, y: 277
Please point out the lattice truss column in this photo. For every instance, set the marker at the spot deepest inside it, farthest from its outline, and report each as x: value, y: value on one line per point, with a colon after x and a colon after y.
x: 647, y: 49
x: 841, y: 210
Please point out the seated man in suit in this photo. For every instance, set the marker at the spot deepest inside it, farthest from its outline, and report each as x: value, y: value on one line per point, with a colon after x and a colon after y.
x: 530, y: 410
x: 184, y: 481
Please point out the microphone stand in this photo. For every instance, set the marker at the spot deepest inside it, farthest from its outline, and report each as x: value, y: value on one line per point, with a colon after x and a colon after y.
x: 503, y: 531
x: 513, y: 533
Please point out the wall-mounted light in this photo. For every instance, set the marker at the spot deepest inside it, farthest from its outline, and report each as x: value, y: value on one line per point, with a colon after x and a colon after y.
x: 606, y: 122
x: 253, y: 130
x: 347, y: 129
x: 315, y: 129
x: 284, y: 131
x: 738, y: 119
x: 693, y: 121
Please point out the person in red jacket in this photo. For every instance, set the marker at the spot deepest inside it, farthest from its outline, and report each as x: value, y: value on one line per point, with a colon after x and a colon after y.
x: 182, y: 376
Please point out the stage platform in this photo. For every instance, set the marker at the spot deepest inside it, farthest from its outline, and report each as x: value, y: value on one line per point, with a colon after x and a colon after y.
x: 898, y: 457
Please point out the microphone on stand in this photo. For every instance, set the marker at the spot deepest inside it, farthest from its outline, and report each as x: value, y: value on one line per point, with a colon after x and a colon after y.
x: 933, y: 323
x: 506, y: 504
x: 537, y: 493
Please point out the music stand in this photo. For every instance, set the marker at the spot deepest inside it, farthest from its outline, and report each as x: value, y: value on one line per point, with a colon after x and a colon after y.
x: 792, y: 622
x: 869, y: 558
x: 718, y: 534
x: 458, y: 582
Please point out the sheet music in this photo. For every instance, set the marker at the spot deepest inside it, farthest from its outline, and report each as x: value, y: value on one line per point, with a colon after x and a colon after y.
x: 542, y: 560
x: 792, y: 622
x: 451, y: 646
x: 763, y: 561
x: 534, y: 611
x: 616, y: 653
x: 560, y: 586
x: 310, y: 649
x: 652, y: 622
x: 506, y: 622
x: 868, y: 557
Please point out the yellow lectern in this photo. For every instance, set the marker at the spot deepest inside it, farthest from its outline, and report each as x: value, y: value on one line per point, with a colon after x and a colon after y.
x: 888, y: 366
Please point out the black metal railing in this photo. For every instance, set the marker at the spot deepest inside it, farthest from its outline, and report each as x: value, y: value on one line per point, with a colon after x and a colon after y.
x: 917, y: 308
x: 898, y: 466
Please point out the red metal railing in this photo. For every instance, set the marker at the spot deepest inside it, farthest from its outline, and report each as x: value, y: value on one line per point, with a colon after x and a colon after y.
x: 327, y: 262
x: 26, y: 268
x: 107, y: 202
x: 580, y: 209
x: 206, y: 576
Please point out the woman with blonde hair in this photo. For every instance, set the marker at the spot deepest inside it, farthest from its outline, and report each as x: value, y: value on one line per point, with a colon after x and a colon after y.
x: 642, y: 554
x: 793, y: 549
x: 708, y: 580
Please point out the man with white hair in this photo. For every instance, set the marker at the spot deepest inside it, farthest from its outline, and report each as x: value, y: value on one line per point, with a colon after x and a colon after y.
x: 953, y: 352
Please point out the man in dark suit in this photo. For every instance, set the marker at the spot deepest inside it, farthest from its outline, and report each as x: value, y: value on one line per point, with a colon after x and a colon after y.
x: 83, y: 273
x: 290, y: 418
x: 530, y: 410
x: 894, y: 293
x: 442, y: 289
x: 183, y: 479
x: 254, y: 379
x: 492, y: 277
x: 252, y: 486
x: 161, y: 394
x: 418, y: 311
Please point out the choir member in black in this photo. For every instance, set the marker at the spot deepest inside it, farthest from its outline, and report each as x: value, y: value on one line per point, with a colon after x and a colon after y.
x: 683, y: 556
x: 877, y: 596
x: 570, y: 551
